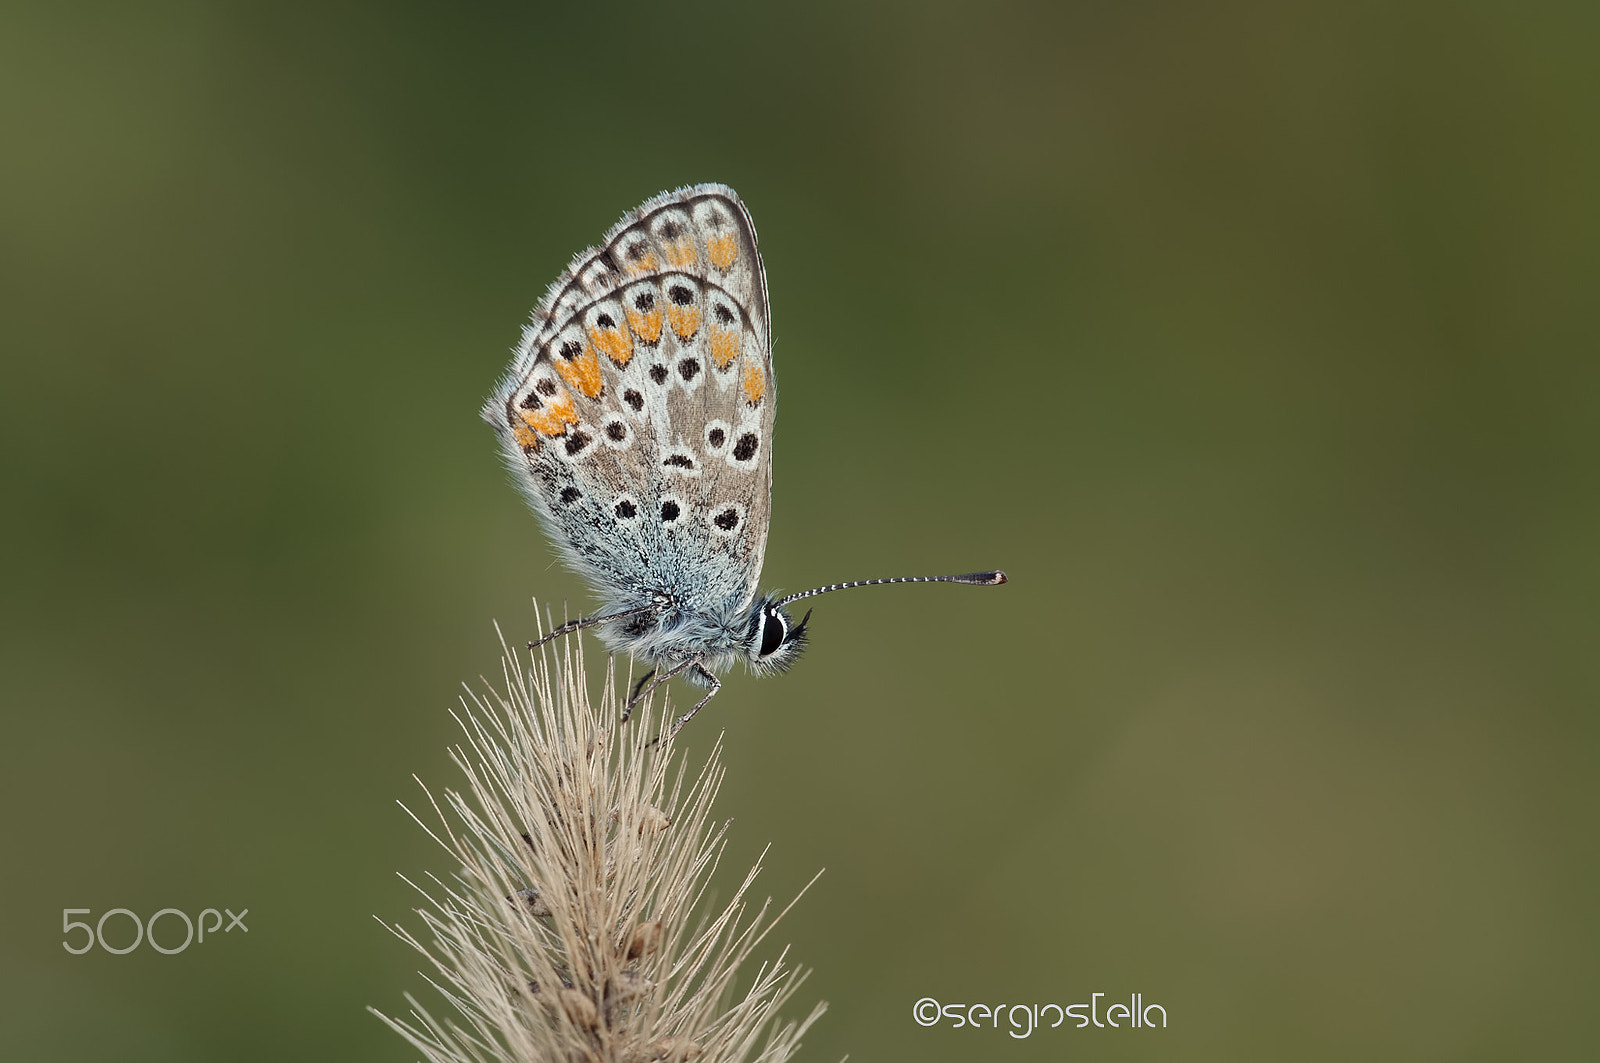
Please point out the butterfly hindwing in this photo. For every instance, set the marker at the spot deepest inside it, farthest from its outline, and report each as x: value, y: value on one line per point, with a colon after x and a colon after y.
x: 638, y: 412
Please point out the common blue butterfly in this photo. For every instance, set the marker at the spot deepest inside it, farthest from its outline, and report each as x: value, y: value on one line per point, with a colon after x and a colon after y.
x: 637, y: 420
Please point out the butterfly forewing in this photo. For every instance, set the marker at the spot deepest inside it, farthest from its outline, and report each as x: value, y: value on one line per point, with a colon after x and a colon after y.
x: 638, y: 411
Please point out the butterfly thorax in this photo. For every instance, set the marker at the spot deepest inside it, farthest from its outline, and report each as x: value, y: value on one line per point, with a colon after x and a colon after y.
x: 665, y: 632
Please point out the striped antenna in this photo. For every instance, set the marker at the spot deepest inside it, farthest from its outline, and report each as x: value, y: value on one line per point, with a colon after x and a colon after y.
x: 974, y: 579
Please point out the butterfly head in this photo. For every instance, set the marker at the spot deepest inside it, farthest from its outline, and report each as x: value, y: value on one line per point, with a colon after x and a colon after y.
x: 773, y: 640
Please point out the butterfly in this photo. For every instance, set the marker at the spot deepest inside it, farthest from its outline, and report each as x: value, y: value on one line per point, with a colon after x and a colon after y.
x: 636, y: 418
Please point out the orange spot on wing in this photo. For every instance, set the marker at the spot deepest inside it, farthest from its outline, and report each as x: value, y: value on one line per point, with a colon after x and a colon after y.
x: 685, y: 320
x: 681, y: 253
x: 527, y: 438
x: 724, y: 346
x: 614, y: 343
x: 645, y: 263
x: 755, y: 383
x: 582, y: 372
x: 646, y: 323
x: 554, y: 418
x: 723, y: 249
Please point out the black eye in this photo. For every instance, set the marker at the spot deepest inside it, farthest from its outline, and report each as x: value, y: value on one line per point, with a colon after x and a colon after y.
x: 773, y: 629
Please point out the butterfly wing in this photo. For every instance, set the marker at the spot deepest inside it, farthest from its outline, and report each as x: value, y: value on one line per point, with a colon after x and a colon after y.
x: 637, y: 415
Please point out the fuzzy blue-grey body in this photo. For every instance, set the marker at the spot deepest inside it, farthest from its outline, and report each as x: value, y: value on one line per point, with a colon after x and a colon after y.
x: 637, y: 420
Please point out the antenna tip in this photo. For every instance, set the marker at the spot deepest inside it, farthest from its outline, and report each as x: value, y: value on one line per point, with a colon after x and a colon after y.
x: 999, y: 577
x: 982, y: 579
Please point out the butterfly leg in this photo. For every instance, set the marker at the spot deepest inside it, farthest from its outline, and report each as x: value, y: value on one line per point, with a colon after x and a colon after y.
x: 639, y: 686
x: 588, y: 621
x: 639, y: 694
x: 716, y: 685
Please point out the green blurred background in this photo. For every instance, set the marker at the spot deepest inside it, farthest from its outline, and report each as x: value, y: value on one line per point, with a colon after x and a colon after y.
x: 1257, y: 342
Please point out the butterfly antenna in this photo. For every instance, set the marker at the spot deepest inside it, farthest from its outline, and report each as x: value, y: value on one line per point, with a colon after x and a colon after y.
x: 974, y: 579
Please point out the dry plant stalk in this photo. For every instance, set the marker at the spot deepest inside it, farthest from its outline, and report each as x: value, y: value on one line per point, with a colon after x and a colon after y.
x: 571, y: 932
